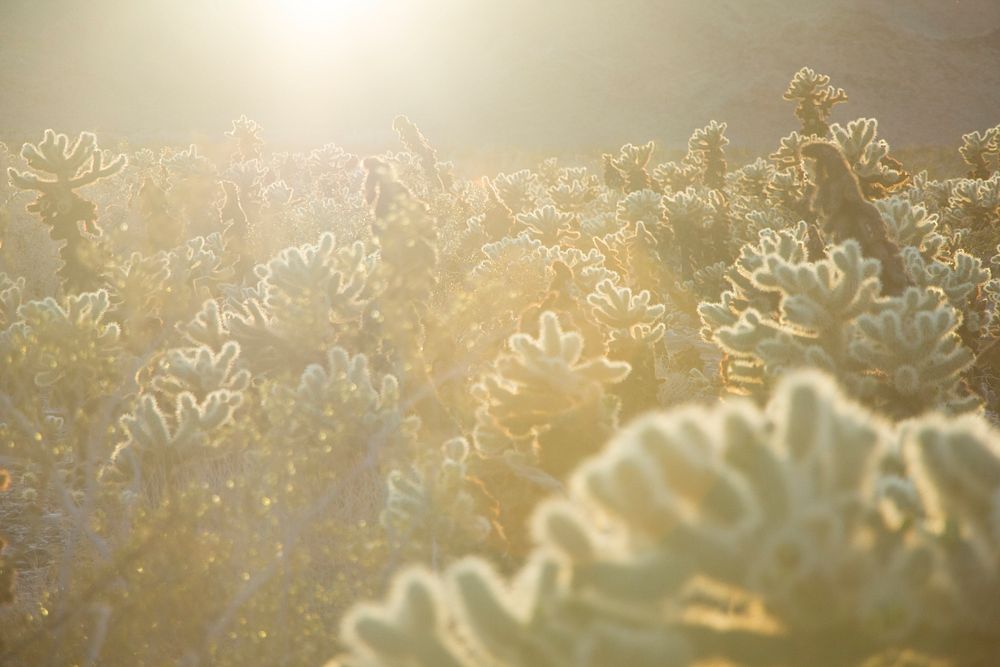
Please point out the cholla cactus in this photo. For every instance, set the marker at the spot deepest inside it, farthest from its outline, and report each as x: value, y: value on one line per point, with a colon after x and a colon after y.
x: 196, y: 271
x: 634, y: 327
x: 730, y: 534
x: 641, y: 206
x: 405, y: 235
x: 308, y: 298
x: 963, y: 280
x: 11, y: 293
x: 317, y: 285
x: 913, y: 342
x: 954, y: 466
x: 575, y: 194
x: 136, y: 286
x: 207, y: 328
x: 58, y: 360
x: 201, y: 372
x: 415, y: 142
x: 159, y: 443
x: 911, y: 225
x: 163, y: 229
x: 337, y: 416
x: 550, y: 226
x: 71, y: 219
x: 707, y: 149
x: 184, y: 417
x: 787, y: 158
x: 753, y: 180
x: 980, y: 150
x: 974, y: 206
x: 543, y: 389
x: 814, y: 98
x: 343, y: 386
x: 630, y: 166
x: 675, y: 176
x: 700, y: 234
x: 627, y: 316
x: 902, y: 352
x: 193, y: 188
x: 246, y: 133
x: 518, y: 190
x: 435, y: 510
x: 878, y: 173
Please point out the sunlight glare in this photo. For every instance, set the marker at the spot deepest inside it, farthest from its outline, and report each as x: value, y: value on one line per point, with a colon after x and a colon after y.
x: 317, y: 16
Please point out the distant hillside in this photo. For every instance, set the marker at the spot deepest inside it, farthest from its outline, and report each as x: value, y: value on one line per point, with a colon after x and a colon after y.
x: 546, y: 74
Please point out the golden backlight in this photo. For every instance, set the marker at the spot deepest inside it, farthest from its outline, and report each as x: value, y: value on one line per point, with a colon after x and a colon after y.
x: 499, y: 333
x: 307, y: 18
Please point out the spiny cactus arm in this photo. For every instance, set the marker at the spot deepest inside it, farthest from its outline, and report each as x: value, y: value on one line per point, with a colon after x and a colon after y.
x: 706, y: 147
x: 147, y: 426
x: 515, y: 633
x: 631, y: 164
x: 27, y: 181
x: 715, y: 315
x: 956, y: 469
x: 543, y: 386
x: 959, y: 280
x: 977, y: 147
x: 788, y: 244
x: 549, y: 225
x: 201, y: 371
x: 819, y: 295
x: 913, y: 339
x: 53, y: 156
x: 787, y: 158
x: 911, y: 225
x: 246, y: 132
x: 208, y: 327
x: 340, y: 368
x: 11, y: 293
x: 557, y: 349
x: 98, y: 170
x: 868, y: 157
x: 415, y: 142
x: 627, y: 315
x: 410, y: 628
x: 194, y: 419
x: 815, y: 99
x: 806, y: 82
x: 317, y: 282
x: 665, y: 483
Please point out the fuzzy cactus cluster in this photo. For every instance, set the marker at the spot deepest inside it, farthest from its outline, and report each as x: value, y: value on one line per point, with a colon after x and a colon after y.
x: 661, y: 406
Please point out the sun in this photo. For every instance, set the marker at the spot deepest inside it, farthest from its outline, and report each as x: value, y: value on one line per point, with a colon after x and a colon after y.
x: 319, y: 15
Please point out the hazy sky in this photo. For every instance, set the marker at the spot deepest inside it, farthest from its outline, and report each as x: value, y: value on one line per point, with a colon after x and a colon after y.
x: 516, y: 73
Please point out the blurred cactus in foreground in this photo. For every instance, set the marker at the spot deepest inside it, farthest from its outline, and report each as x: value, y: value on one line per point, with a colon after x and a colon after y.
x: 806, y: 533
